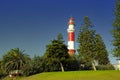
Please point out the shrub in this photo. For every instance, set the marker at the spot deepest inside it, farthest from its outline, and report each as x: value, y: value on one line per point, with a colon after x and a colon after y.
x: 105, y: 67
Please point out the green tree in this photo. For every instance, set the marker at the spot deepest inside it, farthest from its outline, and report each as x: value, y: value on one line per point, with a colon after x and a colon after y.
x: 56, y: 52
x: 38, y: 64
x: 91, y: 46
x: 60, y: 37
x: 116, y: 31
x: 86, y: 40
x: 15, y: 59
x: 101, y: 52
x: 2, y: 72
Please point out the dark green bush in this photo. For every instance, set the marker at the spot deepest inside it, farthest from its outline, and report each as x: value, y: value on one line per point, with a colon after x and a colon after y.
x: 105, y: 67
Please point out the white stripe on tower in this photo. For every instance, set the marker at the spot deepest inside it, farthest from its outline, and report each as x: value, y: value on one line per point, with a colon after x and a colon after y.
x: 71, y: 37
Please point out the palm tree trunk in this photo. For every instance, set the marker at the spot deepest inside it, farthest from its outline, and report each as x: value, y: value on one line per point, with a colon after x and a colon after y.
x: 62, y: 68
x: 93, y: 65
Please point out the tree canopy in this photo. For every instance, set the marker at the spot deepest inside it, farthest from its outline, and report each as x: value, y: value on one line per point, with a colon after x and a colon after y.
x: 91, y: 45
x: 116, y: 31
x: 15, y: 59
x: 57, y: 52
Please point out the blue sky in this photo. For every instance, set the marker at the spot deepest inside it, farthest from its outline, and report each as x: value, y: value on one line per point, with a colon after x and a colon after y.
x: 31, y: 24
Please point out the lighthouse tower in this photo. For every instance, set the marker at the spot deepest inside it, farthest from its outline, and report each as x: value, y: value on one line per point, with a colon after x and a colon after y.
x: 71, y: 37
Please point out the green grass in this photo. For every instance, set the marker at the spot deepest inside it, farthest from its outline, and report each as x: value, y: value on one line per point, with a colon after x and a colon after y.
x: 75, y: 75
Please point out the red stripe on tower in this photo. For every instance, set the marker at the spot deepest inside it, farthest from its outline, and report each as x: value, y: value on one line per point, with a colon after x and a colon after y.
x: 71, y: 37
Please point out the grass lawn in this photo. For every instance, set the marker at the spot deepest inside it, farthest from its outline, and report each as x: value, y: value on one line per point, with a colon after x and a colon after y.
x: 74, y: 75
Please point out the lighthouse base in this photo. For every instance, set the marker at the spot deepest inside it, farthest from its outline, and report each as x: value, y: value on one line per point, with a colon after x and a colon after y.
x: 71, y: 52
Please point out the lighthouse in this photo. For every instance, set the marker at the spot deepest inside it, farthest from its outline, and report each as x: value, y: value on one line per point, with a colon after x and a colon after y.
x: 71, y: 37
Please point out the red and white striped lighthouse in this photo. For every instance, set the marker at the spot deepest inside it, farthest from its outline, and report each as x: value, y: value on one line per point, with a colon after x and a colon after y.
x: 71, y: 37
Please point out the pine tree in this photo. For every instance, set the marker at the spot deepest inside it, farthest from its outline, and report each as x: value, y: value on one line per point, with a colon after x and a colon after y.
x: 116, y: 31
x: 91, y: 46
x: 56, y: 52
x: 101, y: 52
x: 86, y: 42
x: 60, y: 37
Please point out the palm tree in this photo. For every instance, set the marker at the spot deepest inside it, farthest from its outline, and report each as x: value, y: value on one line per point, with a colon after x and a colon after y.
x: 1, y: 70
x: 15, y: 59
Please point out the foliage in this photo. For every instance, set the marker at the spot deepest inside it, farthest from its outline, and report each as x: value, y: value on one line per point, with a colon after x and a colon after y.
x: 116, y: 31
x: 71, y: 65
x: 91, y: 47
x: 84, y: 64
x: 105, y: 67
x: 60, y: 37
x: 57, y: 57
x: 101, y: 51
x: 2, y: 73
x: 56, y: 52
x: 36, y: 65
x: 27, y: 70
x: 15, y: 59
x: 51, y: 65
x: 86, y: 41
